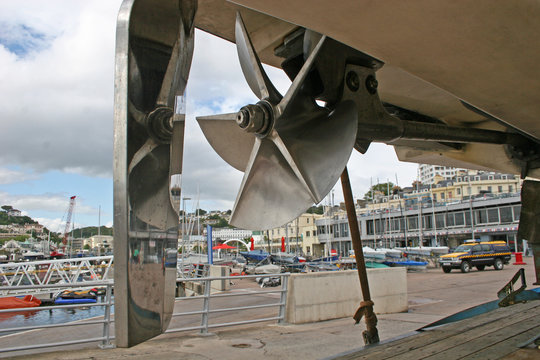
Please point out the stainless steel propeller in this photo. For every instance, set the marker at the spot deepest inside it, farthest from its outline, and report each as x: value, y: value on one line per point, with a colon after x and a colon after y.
x: 156, y: 167
x: 292, y: 151
x: 154, y: 49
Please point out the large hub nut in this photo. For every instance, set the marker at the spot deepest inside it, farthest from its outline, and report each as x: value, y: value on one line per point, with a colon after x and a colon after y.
x: 159, y: 124
x: 253, y: 119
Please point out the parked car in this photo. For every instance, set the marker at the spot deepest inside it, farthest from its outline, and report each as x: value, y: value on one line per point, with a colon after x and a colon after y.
x: 477, y: 254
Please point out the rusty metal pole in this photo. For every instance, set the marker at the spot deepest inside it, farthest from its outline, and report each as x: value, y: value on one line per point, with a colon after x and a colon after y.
x: 371, y: 334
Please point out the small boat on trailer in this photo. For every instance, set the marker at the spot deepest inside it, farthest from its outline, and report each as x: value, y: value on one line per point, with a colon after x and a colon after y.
x: 409, y: 264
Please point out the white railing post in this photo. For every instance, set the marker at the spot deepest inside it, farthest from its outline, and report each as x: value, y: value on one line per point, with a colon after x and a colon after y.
x: 106, y: 342
x: 283, y: 298
x: 206, y: 306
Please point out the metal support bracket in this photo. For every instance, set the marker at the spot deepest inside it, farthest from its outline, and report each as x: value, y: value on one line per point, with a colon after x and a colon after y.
x: 508, y: 293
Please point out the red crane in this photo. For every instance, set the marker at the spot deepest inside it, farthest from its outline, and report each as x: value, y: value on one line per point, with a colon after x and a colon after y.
x: 68, y: 219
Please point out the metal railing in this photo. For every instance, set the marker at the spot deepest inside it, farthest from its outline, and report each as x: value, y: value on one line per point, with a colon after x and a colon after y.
x: 192, y: 270
x: 107, y: 302
x: 44, y: 272
x: 207, y: 295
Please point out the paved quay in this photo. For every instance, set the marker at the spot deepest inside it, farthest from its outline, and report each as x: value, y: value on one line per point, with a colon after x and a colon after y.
x: 432, y: 295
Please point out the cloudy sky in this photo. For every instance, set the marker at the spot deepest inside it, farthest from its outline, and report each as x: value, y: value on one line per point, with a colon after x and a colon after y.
x: 56, y: 114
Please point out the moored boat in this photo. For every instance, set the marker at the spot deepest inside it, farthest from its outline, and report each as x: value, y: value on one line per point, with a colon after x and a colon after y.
x: 13, y: 302
x: 254, y: 255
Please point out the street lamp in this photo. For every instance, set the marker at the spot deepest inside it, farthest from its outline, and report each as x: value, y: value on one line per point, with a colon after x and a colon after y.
x: 184, y: 226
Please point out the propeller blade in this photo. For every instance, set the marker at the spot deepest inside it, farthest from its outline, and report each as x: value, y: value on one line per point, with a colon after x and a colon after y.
x: 252, y: 68
x: 149, y: 189
x: 137, y: 115
x: 270, y: 194
x: 288, y: 103
x: 233, y: 144
x: 320, y: 147
x: 175, y: 78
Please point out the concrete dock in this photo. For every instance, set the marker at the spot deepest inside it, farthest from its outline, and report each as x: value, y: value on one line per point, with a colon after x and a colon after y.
x: 432, y: 295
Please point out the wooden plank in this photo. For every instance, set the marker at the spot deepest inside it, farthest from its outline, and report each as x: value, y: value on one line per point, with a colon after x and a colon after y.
x: 484, y: 342
x: 455, y: 339
x: 505, y: 347
x: 404, y: 345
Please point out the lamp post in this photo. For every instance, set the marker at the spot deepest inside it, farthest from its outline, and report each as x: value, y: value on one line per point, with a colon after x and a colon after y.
x: 184, y: 226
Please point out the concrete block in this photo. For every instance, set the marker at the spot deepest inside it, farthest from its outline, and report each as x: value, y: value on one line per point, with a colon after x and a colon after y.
x: 336, y: 294
x: 219, y: 270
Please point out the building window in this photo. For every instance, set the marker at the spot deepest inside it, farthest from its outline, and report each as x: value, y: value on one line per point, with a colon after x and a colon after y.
x: 307, y: 220
x: 469, y: 190
x: 458, y: 191
x: 500, y: 189
x: 442, y: 196
x: 477, y: 178
x: 489, y: 188
x: 510, y: 188
x: 449, y: 194
x: 307, y: 234
x: 434, y: 197
x: 505, y: 214
x: 479, y: 188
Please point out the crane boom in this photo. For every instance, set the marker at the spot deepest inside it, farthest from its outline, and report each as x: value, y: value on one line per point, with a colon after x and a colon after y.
x: 68, y: 219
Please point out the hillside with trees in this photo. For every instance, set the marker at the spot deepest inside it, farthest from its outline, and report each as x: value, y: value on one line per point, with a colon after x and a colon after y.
x: 89, y: 231
x: 6, y: 219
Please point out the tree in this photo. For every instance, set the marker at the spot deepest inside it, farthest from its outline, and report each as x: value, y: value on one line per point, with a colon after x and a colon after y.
x: 221, y: 223
x: 7, y: 207
x: 381, y: 188
x: 316, y: 210
x: 87, y: 247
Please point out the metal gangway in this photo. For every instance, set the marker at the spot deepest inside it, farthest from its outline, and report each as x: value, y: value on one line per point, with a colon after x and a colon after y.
x: 48, y: 272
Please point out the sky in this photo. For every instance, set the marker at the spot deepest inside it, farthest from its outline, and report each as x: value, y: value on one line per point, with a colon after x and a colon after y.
x: 56, y: 115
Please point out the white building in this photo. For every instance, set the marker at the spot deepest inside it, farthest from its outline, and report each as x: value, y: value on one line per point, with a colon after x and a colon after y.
x: 99, y: 241
x: 427, y: 173
x: 224, y: 234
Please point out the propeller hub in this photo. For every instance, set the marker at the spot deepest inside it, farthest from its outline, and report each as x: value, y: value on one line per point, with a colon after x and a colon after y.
x: 159, y: 124
x: 254, y: 118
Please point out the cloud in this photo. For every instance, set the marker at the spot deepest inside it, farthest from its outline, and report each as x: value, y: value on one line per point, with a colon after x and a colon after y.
x: 57, y: 101
x: 52, y: 203
x: 54, y: 225
x: 9, y: 176
x: 21, y: 39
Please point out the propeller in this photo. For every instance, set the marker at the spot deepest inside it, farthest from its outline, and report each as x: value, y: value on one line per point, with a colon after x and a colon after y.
x: 291, y: 150
x: 156, y: 166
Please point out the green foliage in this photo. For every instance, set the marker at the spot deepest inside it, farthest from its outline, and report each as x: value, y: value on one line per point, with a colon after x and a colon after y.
x: 89, y: 231
x: 7, y: 207
x: 198, y: 249
x: 87, y: 247
x: 316, y: 210
x: 5, y: 219
x: 201, y: 212
x: 221, y: 223
x: 381, y: 188
x: 18, y: 238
